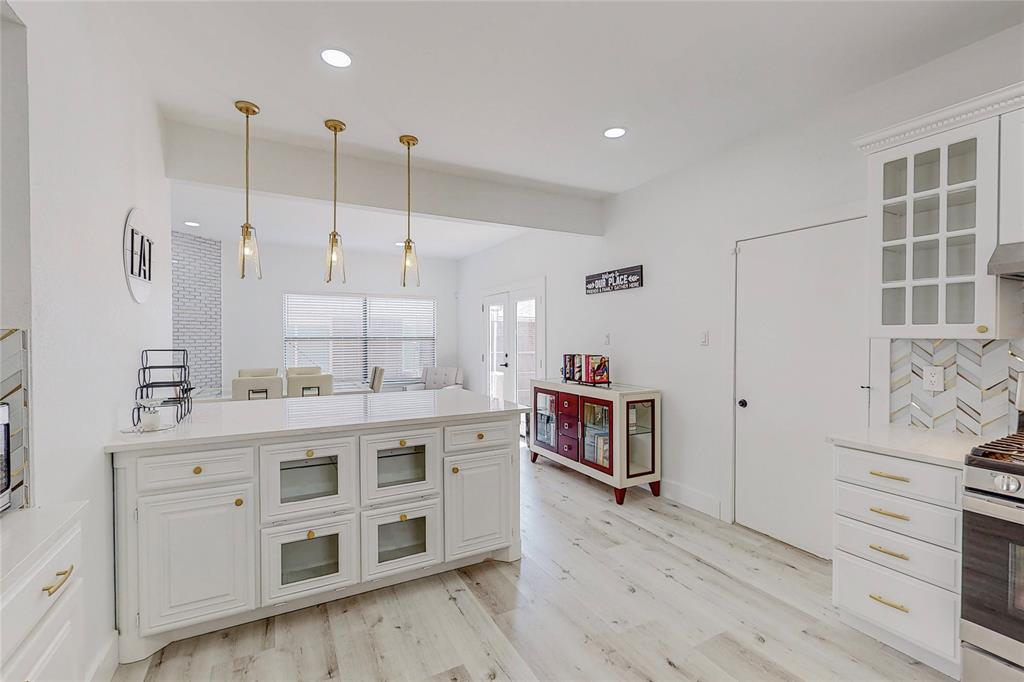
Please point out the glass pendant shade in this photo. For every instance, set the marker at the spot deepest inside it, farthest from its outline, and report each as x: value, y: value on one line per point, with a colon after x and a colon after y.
x: 335, y: 265
x: 249, y: 253
x: 410, y: 265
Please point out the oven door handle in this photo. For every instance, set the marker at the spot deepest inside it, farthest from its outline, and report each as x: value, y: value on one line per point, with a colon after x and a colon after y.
x: 988, y: 506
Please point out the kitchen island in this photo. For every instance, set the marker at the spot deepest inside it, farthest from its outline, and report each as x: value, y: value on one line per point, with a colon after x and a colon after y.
x: 250, y: 509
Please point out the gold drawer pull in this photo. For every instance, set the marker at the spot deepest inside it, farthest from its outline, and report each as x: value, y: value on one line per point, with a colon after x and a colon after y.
x: 403, y: 517
x: 239, y: 502
x: 891, y: 604
x: 891, y: 477
x: 455, y: 470
x: 479, y: 436
x: 197, y: 470
x: 891, y: 515
x: 310, y: 535
x: 883, y: 550
x: 50, y: 590
x: 309, y: 453
x: 401, y: 443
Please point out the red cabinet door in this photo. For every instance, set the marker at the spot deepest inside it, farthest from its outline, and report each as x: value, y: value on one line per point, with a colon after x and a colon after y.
x: 568, y: 403
x: 545, y: 419
x: 569, y: 447
x: 597, y: 435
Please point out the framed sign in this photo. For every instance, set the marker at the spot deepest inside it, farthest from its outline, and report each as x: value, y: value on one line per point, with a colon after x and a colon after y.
x: 138, y: 258
x: 616, y: 280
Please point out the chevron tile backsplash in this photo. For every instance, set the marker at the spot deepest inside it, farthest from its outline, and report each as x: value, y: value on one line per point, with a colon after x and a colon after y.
x: 980, y: 381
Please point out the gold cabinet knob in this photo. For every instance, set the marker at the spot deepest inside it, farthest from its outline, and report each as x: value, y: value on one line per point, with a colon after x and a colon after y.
x: 982, y: 328
x: 479, y: 436
x: 455, y: 470
x: 401, y: 443
x: 310, y: 535
x: 197, y: 470
x: 309, y: 453
x: 239, y: 502
x: 403, y: 517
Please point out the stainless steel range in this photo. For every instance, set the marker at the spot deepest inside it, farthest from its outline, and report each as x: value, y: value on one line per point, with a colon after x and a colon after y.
x: 992, y: 607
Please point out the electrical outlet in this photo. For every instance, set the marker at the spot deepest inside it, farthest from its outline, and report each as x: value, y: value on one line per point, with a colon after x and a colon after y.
x: 933, y: 378
x: 705, y: 337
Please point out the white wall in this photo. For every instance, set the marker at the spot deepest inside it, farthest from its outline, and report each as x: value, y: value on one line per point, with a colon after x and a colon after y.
x: 681, y: 227
x: 95, y: 153
x: 252, y: 326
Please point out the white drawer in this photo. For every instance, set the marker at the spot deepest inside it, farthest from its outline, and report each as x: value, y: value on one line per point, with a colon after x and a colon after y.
x: 26, y: 602
x: 463, y: 437
x: 927, y: 482
x: 933, y: 564
x: 51, y: 652
x: 309, y: 557
x: 163, y: 472
x: 399, y: 465
x: 926, y: 615
x: 401, y: 538
x: 909, y: 517
x: 312, y: 478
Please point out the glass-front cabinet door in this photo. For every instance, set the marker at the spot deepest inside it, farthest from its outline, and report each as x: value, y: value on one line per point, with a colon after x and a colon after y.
x: 302, y: 559
x: 315, y: 478
x: 596, y: 430
x: 640, y: 438
x: 934, y: 225
x: 545, y: 428
x: 401, y: 538
x: 397, y: 465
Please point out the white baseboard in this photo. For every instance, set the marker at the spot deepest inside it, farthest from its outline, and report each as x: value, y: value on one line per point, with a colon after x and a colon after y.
x: 692, y: 497
x: 104, y: 665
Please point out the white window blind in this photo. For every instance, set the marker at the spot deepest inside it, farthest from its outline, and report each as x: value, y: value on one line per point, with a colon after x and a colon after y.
x: 347, y: 335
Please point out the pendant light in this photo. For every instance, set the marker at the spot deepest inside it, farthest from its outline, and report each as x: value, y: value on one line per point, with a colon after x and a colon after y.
x: 410, y: 265
x: 335, y: 269
x: 248, y: 247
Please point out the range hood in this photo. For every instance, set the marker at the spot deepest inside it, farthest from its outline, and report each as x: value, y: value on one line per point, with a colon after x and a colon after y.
x: 1008, y: 261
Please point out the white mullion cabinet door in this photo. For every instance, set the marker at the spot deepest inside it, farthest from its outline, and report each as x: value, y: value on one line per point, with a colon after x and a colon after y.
x: 477, y: 507
x: 309, y: 557
x: 400, y: 465
x: 401, y: 538
x: 312, y: 478
x: 933, y: 221
x: 197, y: 556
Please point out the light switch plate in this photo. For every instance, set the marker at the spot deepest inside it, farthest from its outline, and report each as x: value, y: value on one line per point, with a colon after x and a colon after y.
x: 933, y: 378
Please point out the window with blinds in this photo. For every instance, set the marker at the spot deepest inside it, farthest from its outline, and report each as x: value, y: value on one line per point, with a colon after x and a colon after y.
x: 348, y: 335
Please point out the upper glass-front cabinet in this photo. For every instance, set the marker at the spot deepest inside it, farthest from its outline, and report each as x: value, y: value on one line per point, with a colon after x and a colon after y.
x: 933, y: 220
x: 317, y: 478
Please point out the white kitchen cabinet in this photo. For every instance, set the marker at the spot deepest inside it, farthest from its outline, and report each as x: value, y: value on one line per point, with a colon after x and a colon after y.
x: 197, y: 558
x: 400, y: 465
x: 308, y: 557
x: 1011, y: 177
x: 401, y: 538
x: 302, y: 479
x: 477, y: 513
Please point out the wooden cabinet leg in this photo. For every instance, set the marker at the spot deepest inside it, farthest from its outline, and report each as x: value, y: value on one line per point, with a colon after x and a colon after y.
x: 533, y: 456
x: 620, y: 495
x: 656, y: 488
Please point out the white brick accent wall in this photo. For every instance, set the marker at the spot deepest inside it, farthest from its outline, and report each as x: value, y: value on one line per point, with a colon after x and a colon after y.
x: 196, y: 305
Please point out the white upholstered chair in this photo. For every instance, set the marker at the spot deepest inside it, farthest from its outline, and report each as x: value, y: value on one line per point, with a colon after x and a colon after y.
x: 261, y: 383
x: 438, y: 377
x: 304, y: 382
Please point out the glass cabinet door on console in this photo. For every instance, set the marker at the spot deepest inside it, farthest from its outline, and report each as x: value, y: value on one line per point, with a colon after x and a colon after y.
x: 545, y: 430
x: 400, y: 538
x: 400, y: 465
x: 596, y: 434
x: 315, y: 478
x: 306, y: 558
x: 639, y: 438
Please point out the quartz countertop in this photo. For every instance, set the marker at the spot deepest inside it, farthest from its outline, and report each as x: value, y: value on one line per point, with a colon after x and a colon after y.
x: 231, y: 421
x: 24, y: 530
x: 934, y: 447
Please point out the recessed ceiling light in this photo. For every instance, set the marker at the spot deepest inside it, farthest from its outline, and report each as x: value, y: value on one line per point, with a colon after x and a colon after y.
x: 191, y: 223
x: 613, y: 133
x: 336, y: 58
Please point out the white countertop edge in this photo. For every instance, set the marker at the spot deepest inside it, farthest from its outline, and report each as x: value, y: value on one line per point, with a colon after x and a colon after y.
x: 23, y: 531
x: 932, y: 447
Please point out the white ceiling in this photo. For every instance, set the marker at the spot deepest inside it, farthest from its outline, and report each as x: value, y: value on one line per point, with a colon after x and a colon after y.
x: 220, y: 212
x: 525, y: 89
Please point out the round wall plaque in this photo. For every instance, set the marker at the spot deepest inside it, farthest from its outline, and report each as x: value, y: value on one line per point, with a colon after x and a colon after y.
x: 138, y: 257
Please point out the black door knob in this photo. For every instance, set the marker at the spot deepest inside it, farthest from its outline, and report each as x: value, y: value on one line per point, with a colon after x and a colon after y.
x: 742, y: 402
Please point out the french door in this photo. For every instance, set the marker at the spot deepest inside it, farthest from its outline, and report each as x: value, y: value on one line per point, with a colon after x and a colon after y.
x: 514, y: 349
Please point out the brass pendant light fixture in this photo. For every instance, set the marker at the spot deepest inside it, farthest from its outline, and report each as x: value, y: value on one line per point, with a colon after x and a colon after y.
x: 248, y: 246
x: 410, y: 264
x: 335, y: 269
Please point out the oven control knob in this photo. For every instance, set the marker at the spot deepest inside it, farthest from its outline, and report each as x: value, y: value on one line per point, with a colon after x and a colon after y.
x: 1006, y: 484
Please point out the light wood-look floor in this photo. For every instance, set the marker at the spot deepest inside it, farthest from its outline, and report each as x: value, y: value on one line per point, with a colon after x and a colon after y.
x: 647, y: 591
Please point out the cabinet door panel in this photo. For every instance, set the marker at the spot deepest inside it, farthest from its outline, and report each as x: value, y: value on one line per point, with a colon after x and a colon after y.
x: 317, y: 477
x: 309, y: 557
x: 477, y: 512
x: 401, y: 538
x: 197, y: 556
x: 545, y: 419
x: 597, y: 434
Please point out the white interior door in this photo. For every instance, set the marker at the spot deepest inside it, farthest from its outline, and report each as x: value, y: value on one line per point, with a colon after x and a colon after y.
x: 801, y: 362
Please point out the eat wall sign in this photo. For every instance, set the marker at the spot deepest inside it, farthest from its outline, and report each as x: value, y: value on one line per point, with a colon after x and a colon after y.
x: 616, y: 280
